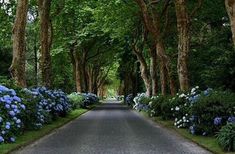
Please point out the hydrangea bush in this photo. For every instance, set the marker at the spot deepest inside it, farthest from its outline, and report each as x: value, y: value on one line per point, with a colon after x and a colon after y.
x: 212, y: 111
x: 155, y: 105
x: 76, y: 99
x: 90, y: 99
x: 45, y: 105
x: 11, y: 107
x: 82, y: 100
x: 141, y: 102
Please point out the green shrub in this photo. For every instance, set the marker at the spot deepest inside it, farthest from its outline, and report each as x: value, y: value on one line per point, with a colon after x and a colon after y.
x: 226, y: 137
x: 170, y: 105
x: 155, y: 105
x: 218, y: 105
x: 76, y: 100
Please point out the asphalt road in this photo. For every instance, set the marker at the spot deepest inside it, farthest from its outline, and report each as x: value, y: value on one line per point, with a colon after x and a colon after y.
x: 112, y: 129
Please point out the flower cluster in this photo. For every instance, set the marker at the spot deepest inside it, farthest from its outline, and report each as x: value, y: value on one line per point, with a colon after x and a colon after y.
x: 82, y: 99
x: 217, y: 121
x: 11, y: 107
x: 141, y: 102
x: 231, y: 119
x: 46, y: 104
x: 129, y: 99
x: 90, y: 99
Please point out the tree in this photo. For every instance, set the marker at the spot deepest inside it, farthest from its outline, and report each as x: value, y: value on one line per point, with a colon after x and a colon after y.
x: 17, y: 67
x: 230, y: 7
x: 152, y: 22
x: 46, y: 41
x: 183, y: 43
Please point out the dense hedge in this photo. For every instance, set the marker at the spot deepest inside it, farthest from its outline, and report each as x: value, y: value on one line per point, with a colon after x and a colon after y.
x: 83, y: 100
x: 30, y: 109
x: 202, y: 112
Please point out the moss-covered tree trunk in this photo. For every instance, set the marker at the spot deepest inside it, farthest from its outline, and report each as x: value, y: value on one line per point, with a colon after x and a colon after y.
x: 17, y: 67
x: 153, y: 71
x: 183, y: 43
x: 78, y: 72
x: 46, y: 40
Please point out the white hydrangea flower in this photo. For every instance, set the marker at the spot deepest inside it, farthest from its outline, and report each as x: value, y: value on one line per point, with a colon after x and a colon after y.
x: 193, y: 90
x: 182, y: 95
x: 177, y: 108
x: 197, y: 87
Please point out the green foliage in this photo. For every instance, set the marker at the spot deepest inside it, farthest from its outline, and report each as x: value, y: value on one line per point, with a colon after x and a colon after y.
x: 226, y: 137
x: 207, y: 108
x: 5, y: 61
x: 76, y: 100
x: 167, y: 108
x: 155, y: 105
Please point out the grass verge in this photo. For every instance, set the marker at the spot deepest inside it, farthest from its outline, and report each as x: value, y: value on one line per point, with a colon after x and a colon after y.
x: 31, y: 136
x: 206, y: 142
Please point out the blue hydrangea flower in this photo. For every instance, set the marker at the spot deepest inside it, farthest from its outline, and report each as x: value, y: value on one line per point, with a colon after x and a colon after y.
x: 22, y: 106
x: 12, y: 139
x: 8, y: 127
x: 217, y: 121
x: 12, y: 113
x: 207, y: 91
x: 3, y: 88
x: 7, y: 106
x: 192, y: 129
x: 16, y: 98
x: 231, y: 119
x: 18, y: 121
x: 1, y: 139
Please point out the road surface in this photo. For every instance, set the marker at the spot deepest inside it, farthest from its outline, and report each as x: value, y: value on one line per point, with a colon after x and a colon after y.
x: 112, y: 128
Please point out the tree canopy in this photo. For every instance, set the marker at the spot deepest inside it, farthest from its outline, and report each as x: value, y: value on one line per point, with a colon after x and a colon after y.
x: 126, y: 46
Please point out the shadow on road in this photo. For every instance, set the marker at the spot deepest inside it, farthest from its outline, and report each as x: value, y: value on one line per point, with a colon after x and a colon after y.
x: 112, y: 106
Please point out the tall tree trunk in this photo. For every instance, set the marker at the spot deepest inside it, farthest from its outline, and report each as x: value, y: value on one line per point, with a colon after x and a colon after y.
x: 72, y: 58
x: 165, y: 69
x: 183, y: 43
x: 17, y: 67
x: 46, y: 40
x: 90, y: 79
x: 153, y: 71
x: 78, y: 72
x: 163, y: 75
x: 230, y: 7
x: 35, y: 62
x: 84, y: 76
x: 144, y: 71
